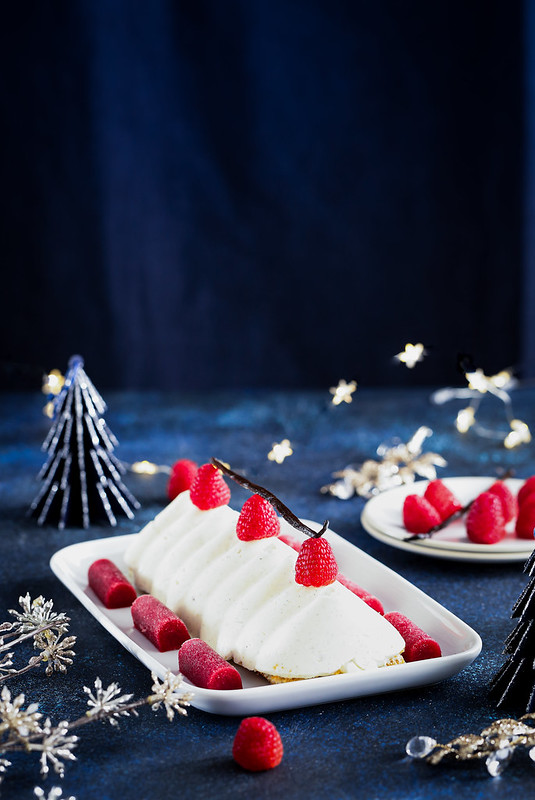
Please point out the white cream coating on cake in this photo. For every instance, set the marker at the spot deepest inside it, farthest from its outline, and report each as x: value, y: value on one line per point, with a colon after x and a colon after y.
x: 242, y: 598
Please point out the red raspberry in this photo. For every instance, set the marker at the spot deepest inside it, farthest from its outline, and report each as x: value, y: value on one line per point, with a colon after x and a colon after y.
x: 525, y: 522
x: 507, y: 498
x: 257, y: 745
x: 181, y: 478
x: 419, y: 516
x: 315, y: 564
x: 208, y: 489
x: 485, y: 523
x: 527, y: 488
x: 442, y: 499
x: 257, y: 520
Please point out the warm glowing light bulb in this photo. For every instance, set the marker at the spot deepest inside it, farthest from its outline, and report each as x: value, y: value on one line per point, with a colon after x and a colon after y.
x: 145, y: 468
x: 48, y: 410
x: 477, y: 381
x: 412, y: 354
x: 280, y: 451
x: 465, y: 419
x: 342, y: 393
x: 53, y: 382
x: 519, y: 434
x: 501, y: 379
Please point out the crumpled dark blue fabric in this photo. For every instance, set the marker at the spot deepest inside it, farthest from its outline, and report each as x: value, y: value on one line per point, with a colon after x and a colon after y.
x: 252, y: 193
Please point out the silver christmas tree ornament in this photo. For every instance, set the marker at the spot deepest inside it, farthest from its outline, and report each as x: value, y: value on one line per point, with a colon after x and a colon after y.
x: 81, y: 477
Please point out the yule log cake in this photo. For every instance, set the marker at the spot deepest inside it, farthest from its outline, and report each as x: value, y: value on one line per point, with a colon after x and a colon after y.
x: 250, y: 595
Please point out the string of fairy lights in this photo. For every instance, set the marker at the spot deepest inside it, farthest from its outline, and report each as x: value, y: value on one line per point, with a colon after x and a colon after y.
x: 479, y: 385
x: 396, y: 464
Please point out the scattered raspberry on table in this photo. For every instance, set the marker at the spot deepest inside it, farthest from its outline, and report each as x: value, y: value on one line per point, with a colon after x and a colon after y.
x: 257, y: 745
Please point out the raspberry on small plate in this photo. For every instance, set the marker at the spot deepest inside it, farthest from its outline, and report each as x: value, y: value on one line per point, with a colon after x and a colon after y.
x: 383, y: 518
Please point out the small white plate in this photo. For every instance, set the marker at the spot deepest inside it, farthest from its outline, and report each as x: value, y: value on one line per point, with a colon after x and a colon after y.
x: 459, y: 643
x: 382, y: 517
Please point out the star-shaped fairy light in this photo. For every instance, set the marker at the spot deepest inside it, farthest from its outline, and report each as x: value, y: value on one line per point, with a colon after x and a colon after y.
x: 343, y: 392
x: 479, y: 385
x: 399, y: 464
x: 52, y: 385
x: 411, y: 355
x: 53, y: 382
x: 148, y: 468
x: 280, y: 451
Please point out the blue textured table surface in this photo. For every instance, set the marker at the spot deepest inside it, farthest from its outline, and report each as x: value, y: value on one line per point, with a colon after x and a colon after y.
x: 354, y: 748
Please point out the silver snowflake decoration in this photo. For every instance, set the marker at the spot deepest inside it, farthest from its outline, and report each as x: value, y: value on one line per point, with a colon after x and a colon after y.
x: 108, y: 703
x: 15, y: 720
x: 55, y: 746
x: 6, y: 665
x: 171, y: 694
x: 36, y: 614
x: 399, y: 464
x: 55, y: 651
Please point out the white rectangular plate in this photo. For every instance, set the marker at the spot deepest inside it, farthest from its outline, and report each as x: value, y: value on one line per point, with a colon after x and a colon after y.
x: 459, y: 643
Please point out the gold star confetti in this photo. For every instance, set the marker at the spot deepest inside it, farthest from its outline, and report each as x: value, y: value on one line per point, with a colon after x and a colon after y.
x: 342, y: 393
x: 411, y: 355
x: 280, y: 451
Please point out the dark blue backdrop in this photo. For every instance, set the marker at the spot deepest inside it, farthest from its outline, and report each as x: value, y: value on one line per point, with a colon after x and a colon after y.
x: 264, y: 192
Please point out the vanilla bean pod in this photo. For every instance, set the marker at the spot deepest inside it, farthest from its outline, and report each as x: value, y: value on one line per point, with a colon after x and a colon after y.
x: 283, y: 510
